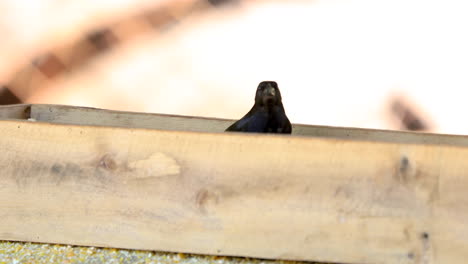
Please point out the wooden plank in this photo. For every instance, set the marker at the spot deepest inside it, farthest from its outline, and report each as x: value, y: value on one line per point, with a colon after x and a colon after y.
x: 267, y: 196
x: 17, y: 111
x: 92, y: 116
x: 99, y: 117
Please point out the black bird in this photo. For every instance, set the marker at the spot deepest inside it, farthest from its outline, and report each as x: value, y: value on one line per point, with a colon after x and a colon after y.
x: 267, y: 115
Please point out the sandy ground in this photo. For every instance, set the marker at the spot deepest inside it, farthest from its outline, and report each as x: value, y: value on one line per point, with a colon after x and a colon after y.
x: 14, y: 252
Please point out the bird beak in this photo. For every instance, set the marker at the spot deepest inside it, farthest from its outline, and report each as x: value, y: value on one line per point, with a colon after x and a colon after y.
x: 270, y: 91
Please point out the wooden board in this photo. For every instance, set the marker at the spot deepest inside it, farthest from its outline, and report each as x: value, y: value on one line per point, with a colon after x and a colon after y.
x: 267, y: 196
x: 19, y: 111
x: 99, y: 117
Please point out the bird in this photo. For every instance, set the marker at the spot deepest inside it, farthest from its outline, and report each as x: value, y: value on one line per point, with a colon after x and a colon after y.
x: 267, y: 115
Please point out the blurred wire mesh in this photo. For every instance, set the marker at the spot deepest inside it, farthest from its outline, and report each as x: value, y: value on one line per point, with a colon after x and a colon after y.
x: 360, y: 63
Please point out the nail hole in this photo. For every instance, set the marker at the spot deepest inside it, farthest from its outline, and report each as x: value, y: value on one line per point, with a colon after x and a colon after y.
x: 425, y: 235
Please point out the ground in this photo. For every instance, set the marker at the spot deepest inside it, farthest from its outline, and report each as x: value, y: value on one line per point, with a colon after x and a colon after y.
x: 18, y: 252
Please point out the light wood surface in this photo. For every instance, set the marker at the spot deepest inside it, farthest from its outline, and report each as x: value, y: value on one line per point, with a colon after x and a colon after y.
x: 100, y: 117
x: 267, y: 196
x: 19, y: 111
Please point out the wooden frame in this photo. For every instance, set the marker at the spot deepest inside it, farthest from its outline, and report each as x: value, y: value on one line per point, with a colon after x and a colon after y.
x: 102, y: 178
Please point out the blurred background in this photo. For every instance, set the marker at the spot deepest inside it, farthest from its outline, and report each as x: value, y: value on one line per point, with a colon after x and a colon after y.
x: 400, y: 64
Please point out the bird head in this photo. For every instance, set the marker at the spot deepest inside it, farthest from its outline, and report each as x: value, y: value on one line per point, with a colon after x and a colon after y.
x: 268, y: 94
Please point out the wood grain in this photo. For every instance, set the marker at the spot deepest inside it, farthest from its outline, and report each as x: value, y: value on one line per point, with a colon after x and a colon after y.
x: 18, y: 111
x: 267, y: 196
x: 100, y: 117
